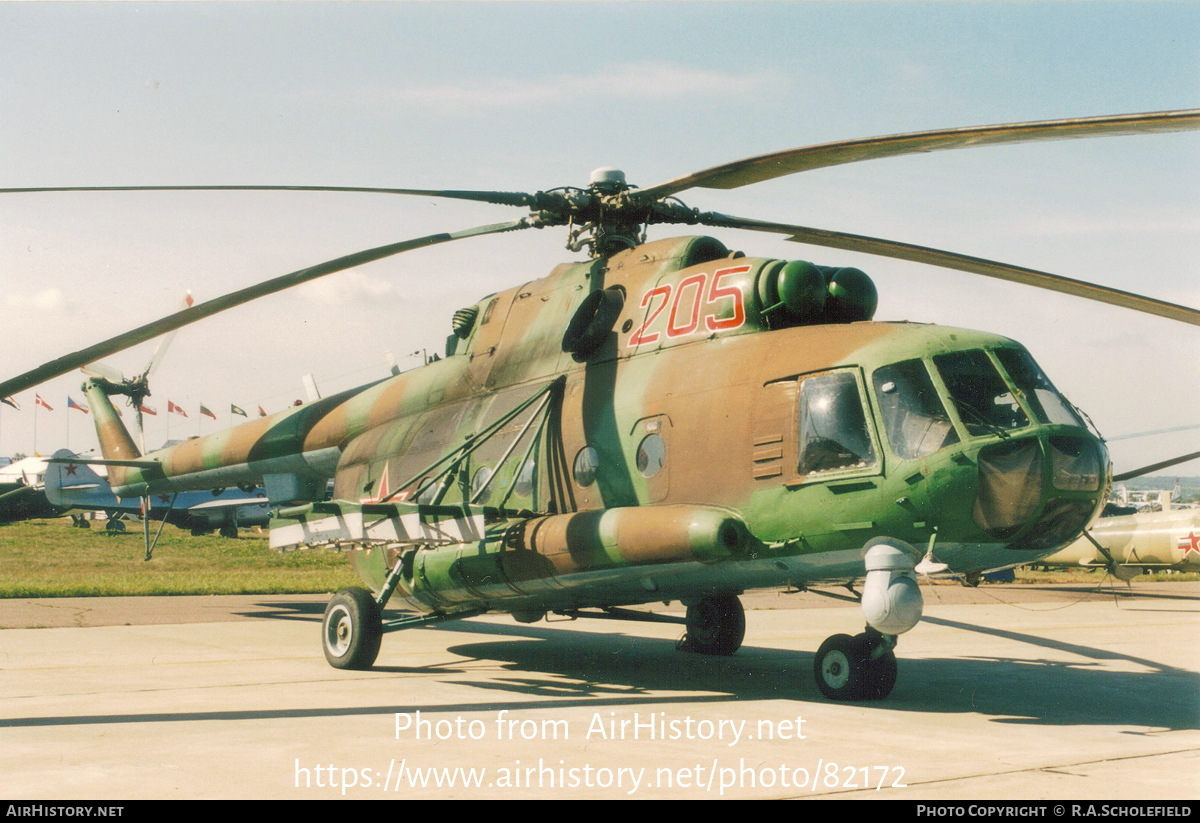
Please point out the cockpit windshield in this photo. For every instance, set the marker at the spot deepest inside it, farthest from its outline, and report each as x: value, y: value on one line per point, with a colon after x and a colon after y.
x: 984, y: 402
x: 914, y: 416
x: 1047, y: 405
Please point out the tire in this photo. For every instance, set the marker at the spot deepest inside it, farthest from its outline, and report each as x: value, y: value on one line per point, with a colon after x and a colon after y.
x: 229, y: 531
x: 114, y: 526
x: 844, y: 669
x: 880, y: 676
x: 837, y: 668
x: 351, y: 630
x: 716, y: 625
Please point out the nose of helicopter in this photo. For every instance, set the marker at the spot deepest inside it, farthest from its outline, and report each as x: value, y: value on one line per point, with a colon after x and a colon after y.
x: 1039, y: 492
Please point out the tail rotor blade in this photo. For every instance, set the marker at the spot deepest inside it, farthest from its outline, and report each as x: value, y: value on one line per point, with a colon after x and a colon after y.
x: 104, y: 371
x: 165, y: 342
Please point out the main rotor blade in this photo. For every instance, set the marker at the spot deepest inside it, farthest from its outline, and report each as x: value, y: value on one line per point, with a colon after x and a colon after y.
x: 503, y: 198
x: 806, y: 158
x: 960, y: 262
x: 64, y: 364
x: 1155, y: 431
x: 1166, y: 464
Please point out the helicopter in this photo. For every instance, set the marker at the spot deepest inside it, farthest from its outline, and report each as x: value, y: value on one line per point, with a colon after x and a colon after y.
x: 666, y: 420
x: 1131, y: 544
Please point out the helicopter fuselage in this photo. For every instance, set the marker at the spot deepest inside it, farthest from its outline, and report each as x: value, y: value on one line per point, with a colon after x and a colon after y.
x: 707, y: 439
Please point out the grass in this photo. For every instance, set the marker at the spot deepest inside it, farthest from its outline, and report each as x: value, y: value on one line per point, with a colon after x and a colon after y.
x: 1096, y: 575
x: 50, y: 558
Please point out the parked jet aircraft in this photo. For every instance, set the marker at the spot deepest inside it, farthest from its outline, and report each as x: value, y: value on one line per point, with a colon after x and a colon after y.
x: 21, y: 493
x: 74, y: 485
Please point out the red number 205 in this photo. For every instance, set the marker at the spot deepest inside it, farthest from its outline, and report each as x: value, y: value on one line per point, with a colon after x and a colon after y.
x: 685, y: 315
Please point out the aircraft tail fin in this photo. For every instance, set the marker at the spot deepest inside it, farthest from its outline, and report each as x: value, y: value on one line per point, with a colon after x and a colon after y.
x: 70, y: 485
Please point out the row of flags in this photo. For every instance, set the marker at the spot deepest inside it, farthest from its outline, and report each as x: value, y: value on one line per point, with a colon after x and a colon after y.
x: 172, y: 407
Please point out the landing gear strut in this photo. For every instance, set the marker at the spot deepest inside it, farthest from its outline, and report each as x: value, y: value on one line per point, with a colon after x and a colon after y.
x: 862, y: 667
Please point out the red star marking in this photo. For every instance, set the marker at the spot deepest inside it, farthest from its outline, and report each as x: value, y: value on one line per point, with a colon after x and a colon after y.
x: 383, y: 493
x: 1191, y: 543
x: 164, y: 498
x: 71, y: 467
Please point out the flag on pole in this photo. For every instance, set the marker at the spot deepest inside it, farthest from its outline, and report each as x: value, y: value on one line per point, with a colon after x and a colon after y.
x: 71, y: 404
x: 204, y: 411
x: 237, y: 410
x: 40, y: 402
x: 8, y: 401
x: 261, y: 413
x: 174, y: 409
x: 147, y: 410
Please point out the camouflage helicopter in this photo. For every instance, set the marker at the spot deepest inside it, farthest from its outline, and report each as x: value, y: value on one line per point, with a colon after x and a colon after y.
x: 665, y: 421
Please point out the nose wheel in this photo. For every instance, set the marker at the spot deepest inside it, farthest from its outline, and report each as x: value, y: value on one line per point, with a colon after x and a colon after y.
x: 862, y: 667
x: 352, y: 630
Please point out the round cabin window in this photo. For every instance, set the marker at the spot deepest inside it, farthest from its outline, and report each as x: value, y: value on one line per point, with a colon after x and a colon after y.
x: 524, y: 487
x: 651, y: 455
x: 586, y: 464
x: 481, y: 478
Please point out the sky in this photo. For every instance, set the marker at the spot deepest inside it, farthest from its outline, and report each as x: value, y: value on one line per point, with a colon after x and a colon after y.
x: 529, y: 96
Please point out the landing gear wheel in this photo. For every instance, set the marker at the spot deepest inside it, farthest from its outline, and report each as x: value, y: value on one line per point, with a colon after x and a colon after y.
x: 845, y: 669
x: 880, y: 676
x: 351, y: 630
x: 114, y: 526
x: 716, y: 625
x: 229, y: 531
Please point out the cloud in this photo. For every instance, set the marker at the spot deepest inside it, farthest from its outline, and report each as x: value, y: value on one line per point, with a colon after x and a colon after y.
x: 1079, y: 225
x: 348, y: 288
x: 632, y: 81
x: 53, y: 301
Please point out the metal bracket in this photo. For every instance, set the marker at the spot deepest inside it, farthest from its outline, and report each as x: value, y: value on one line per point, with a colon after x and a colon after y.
x: 615, y: 613
x: 146, y: 523
x: 413, y: 621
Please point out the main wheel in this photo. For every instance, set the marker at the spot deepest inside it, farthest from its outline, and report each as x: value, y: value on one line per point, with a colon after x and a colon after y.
x: 716, y: 625
x: 351, y: 630
x: 845, y: 670
x: 880, y: 676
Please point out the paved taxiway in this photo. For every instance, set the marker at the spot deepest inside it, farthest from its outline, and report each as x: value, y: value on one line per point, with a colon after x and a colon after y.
x: 1038, y: 696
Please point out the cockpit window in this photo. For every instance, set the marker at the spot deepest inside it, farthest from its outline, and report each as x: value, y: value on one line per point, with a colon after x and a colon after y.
x: 833, y: 427
x: 1047, y: 405
x: 981, y: 397
x: 914, y: 417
